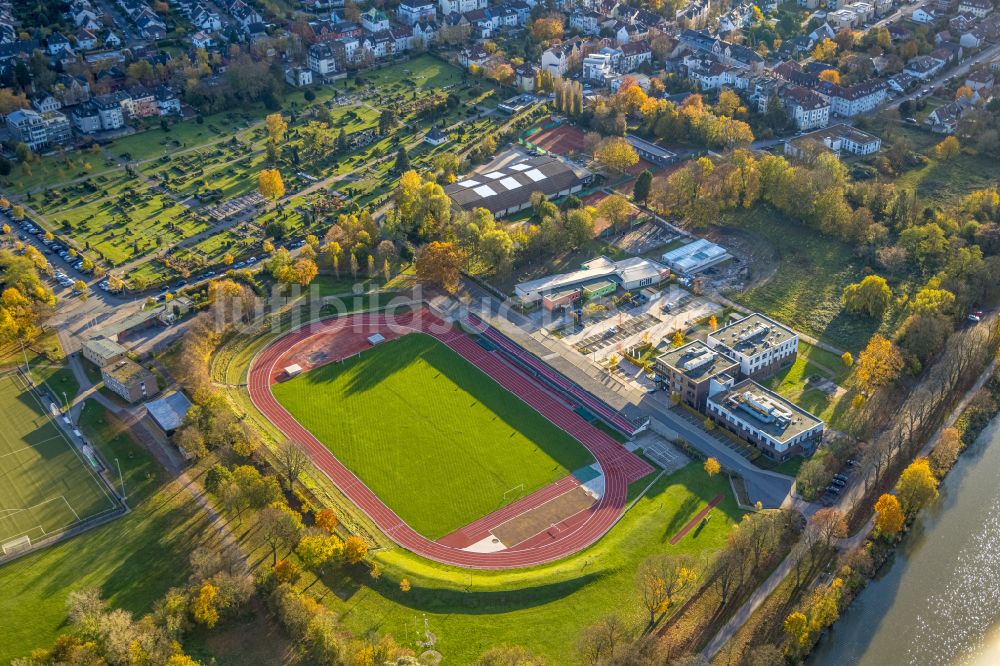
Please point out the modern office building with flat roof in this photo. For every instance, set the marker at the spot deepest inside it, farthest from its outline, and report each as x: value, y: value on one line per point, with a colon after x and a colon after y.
x: 771, y: 423
x: 760, y: 344
x: 693, y: 371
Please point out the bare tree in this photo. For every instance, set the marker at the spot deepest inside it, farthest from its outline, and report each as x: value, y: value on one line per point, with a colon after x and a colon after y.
x: 604, y: 639
x: 291, y: 461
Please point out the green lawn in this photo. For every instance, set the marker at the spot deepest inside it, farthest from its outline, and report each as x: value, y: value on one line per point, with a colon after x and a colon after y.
x: 133, y: 560
x: 544, y: 608
x: 793, y: 383
x: 48, y: 485
x: 432, y: 435
x: 808, y: 273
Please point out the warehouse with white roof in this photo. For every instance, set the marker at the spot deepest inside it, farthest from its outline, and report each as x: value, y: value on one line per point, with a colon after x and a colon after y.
x: 695, y: 257
x: 508, y: 189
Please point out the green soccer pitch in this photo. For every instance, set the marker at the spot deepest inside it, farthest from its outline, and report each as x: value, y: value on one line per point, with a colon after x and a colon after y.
x: 47, y: 485
x: 438, y: 440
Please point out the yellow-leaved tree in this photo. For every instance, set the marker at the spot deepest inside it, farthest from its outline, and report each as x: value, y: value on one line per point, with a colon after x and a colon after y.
x: 270, y: 184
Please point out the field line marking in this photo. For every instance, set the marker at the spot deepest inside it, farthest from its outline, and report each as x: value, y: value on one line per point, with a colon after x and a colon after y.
x: 29, y: 447
x: 79, y: 456
x: 63, y: 497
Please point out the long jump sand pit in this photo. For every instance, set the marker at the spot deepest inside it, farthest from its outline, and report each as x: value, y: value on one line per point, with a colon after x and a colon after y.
x: 541, y: 518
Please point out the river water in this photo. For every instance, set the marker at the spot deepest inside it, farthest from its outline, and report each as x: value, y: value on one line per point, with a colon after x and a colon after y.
x: 938, y: 601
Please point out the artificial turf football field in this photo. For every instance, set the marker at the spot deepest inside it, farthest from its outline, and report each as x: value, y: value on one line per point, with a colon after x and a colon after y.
x: 46, y: 486
x: 433, y: 436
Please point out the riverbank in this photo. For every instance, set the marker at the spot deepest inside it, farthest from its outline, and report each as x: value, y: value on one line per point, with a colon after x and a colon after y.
x: 847, y: 570
x: 937, y: 598
x: 972, y: 416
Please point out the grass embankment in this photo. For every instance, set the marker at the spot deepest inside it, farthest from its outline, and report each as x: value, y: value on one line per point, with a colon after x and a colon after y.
x: 432, y: 435
x: 544, y: 608
x: 809, y: 273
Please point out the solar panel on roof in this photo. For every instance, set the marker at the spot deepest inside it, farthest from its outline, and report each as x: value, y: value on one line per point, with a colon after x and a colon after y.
x: 495, y: 174
x: 535, y: 175
x: 484, y: 191
x: 469, y: 183
x: 510, y: 183
x: 520, y: 167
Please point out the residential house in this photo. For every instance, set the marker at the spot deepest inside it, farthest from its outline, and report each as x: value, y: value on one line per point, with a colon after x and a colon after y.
x: 587, y: 22
x: 379, y: 44
x: 244, y: 14
x: 838, y: 138
x: 555, y: 59
x: 149, y: 25
x: 961, y: 23
x: 110, y: 112
x: 167, y: 102
x: 402, y: 39
x: 600, y: 65
x: 806, y: 108
x: 901, y: 82
x: 849, y: 101
x: 735, y: 55
x: 298, y: 77
x: 374, y: 20
x: 843, y: 19
x: 923, y: 67
x: 85, y: 118
x: 925, y: 16
x: 322, y: 60
x: 140, y: 103
x: 205, y: 19
x: 475, y: 55
x: 412, y: 12
x: 200, y: 40
x: 57, y: 128
x: 974, y: 38
x: 26, y: 126
x: 980, y: 79
x: 44, y: 102
x: 56, y: 43
x: 461, y: 6
x: 70, y: 90
x: 524, y: 77
x: 944, y: 119
x: 694, y: 15
x: 634, y: 55
x: 425, y: 32
x: 85, y: 39
x: 110, y: 39
x: 978, y: 8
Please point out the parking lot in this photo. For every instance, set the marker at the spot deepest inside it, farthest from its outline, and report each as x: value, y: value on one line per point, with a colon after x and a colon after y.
x: 67, y: 268
x: 652, y: 320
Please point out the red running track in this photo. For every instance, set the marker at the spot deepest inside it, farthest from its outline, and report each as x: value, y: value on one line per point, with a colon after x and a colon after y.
x: 620, y: 467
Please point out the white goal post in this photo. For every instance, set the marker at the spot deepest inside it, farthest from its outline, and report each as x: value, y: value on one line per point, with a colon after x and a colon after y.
x: 18, y: 545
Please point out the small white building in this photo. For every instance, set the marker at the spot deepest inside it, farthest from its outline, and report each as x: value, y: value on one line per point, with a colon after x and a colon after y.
x: 299, y: 77
x: 695, y: 257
